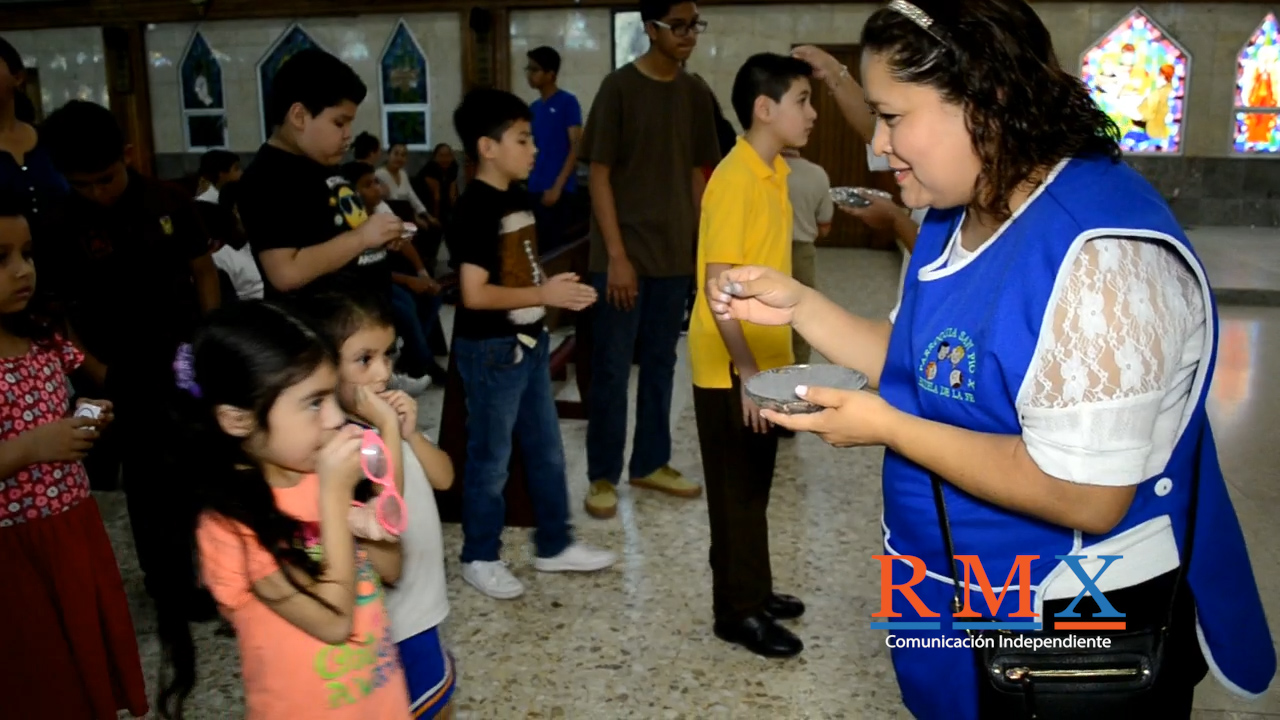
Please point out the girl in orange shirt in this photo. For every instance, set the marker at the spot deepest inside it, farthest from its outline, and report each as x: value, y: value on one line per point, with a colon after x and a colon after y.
x: 276, y: 471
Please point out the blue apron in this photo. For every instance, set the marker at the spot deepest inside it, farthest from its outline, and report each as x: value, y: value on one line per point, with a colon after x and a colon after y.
x: 960, y: 350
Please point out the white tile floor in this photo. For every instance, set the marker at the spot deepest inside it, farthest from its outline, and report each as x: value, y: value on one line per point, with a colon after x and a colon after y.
x: 636, y: 642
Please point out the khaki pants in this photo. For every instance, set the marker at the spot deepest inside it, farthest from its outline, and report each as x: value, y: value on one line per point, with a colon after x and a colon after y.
x: 803, y: 268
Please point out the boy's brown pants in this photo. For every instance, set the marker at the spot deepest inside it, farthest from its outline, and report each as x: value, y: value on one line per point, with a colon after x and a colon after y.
x: 737, y: 464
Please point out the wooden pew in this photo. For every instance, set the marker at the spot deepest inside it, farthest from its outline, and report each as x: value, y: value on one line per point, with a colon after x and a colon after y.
x: 453, y: 419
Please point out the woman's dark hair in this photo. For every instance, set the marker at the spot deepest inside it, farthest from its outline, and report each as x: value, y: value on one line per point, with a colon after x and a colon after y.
x: 245, y: 356
x: 342, y: 309
x: 23, y: 109
x: 10, y: 56
x: 433, y: 168
x: 995, y: 59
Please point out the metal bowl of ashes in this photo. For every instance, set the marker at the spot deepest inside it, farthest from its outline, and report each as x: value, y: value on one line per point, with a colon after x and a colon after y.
x: 856, y: 196
x: 776, y: 389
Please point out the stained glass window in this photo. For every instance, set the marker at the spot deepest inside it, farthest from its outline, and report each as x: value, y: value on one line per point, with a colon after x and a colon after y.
x: 1138, y: 75
x: 1257, y: 86
x: 406, y: 96
x: 294, y: 40
x: 204, y: 111
x: 629, y: 38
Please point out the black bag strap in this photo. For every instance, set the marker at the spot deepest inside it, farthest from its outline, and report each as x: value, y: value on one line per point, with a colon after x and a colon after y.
x: 945, y: 525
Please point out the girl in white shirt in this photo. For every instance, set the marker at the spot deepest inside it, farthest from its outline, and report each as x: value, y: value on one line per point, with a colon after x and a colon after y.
x: 361, y: 327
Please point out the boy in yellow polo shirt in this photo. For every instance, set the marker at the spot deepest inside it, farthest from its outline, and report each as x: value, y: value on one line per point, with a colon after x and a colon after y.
x: 746, y: 220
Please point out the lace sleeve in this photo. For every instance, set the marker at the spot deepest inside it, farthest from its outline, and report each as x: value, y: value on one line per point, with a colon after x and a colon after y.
x: 1115, y: 353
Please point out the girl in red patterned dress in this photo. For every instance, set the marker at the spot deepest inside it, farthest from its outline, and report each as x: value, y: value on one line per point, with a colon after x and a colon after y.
x: 67, y: 631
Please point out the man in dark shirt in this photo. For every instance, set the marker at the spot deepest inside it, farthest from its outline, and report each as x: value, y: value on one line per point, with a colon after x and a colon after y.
x: 303, y: 220
x: 650, y: 132
x: 129, y: 264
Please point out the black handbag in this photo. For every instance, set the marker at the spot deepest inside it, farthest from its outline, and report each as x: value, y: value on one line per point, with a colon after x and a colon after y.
x: 1072, y: 682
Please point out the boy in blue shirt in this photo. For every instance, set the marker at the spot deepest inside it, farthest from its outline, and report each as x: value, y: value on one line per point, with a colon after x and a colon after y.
x: 557, y: 129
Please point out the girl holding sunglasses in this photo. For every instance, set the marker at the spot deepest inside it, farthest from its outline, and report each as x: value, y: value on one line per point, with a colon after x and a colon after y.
x: 276, y: 467
x: 361, y: 326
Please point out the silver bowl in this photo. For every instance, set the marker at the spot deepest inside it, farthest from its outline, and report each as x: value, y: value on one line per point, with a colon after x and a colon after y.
x: 776, y: 389
x: 856, y: 197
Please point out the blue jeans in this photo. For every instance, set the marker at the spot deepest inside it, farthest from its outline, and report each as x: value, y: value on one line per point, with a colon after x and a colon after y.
x: 508, y: 391
x: 415, y: 316
x: 654, y: 325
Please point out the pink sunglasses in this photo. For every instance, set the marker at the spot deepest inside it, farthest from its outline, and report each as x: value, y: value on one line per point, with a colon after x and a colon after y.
x: 388, y: 505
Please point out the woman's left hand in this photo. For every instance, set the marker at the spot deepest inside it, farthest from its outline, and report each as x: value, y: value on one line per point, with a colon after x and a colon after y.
x: 852, y: 418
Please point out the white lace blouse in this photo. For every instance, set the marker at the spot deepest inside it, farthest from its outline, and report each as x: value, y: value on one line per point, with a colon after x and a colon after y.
x: 1111, y: 383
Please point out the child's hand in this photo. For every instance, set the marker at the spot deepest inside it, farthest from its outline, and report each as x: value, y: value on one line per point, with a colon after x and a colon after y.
x: 565, y: 291
x: 381, y: 229
x: 374, y: 409
x: 339, y: 463
x: 362, y: 520
x: 106, y: 410
x: 406, y: 409
x: 66, y: 440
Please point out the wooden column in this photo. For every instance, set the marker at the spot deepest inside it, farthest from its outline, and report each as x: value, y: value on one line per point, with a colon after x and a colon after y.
x: 128, y: 90
x: 486, y: 48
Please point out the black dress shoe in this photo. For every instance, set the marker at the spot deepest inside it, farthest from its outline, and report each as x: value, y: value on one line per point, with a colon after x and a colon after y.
x: 761, y: 635
x: 783, y: 607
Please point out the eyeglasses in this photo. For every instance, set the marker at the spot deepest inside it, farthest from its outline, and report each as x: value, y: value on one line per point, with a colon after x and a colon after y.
x: 682, y: 30
x: 388, y: 505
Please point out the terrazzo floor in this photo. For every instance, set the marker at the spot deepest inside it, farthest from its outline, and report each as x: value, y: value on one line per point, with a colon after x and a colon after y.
x: 636, y: 642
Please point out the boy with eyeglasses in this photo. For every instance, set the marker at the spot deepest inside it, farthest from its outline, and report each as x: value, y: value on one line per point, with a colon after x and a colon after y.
x: 557, y: 132
x: 650, y: 132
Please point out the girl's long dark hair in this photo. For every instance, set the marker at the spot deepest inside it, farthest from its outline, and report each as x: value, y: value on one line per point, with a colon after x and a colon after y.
x: 244, y: 357
x: 995, y: 59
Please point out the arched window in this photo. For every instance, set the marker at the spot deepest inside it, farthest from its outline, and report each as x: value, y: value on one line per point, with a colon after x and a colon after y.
x: 204, y: 109
x: 406, y: 98
x: 1257, y: 85
x: 294, y: 40
x: 1138, y: 75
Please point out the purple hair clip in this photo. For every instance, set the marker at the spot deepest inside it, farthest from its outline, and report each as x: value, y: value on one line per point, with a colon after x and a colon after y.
x: 184, y: 369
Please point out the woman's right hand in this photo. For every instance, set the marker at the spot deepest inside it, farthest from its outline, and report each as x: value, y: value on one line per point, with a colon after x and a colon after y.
x: 339, y: 462
x: 755, y: 294
x: 825, y: 67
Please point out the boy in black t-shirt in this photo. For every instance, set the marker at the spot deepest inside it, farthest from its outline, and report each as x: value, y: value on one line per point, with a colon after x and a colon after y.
x: 303, y: 219
x: 501, y: 346
x: 128, y: 263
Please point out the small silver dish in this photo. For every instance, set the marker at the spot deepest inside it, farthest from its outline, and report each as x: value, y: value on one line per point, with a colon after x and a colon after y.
x: 856, y: 197
x: 776, y: 389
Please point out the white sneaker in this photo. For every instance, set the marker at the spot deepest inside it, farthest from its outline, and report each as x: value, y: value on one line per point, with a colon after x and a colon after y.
x: 577, y: 558
x: 492, y: 579
x: 409, y: 384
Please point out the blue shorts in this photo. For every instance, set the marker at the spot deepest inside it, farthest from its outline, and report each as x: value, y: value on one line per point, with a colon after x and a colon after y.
x: 428, y: 671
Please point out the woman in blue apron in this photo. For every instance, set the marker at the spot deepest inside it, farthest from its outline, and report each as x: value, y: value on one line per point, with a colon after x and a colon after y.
x: 1049, y: 361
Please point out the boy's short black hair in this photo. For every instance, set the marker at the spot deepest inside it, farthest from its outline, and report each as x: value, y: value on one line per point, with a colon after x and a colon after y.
x: 82, y: 137
x: 316, y: 79
x: 365, y: 145
x: 216, y: 162
x: 767, y: 74
x: 486, y: 112
x: 355, y: 170
x: 546, y: 58
x: 651, y: 10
